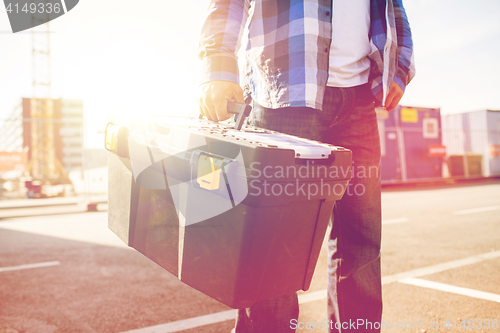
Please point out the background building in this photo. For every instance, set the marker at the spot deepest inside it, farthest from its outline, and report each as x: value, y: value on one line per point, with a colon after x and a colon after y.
x: 16, y: 131
x: 11, y: 131
x: 70, y: 133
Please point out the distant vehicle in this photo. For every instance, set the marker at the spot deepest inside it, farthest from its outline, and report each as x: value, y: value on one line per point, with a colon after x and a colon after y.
x: 46, y: 189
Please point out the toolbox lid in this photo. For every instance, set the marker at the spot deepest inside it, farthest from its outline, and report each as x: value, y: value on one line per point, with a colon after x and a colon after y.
x: 303, y: 148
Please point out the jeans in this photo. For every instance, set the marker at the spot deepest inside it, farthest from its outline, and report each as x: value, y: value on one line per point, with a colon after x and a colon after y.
x: 348, y: 119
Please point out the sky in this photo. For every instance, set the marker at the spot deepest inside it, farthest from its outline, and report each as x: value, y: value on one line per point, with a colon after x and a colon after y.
x: 126, y: 58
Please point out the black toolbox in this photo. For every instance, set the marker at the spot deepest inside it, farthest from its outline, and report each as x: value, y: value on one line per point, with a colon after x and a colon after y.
x: 239, y: 215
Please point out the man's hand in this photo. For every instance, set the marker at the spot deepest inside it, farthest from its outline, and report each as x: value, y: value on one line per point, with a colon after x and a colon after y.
x: 214, y: 96
x: 393, y: 97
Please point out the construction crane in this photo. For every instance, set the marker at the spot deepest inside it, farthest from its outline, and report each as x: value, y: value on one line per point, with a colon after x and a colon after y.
x: 47, y: 173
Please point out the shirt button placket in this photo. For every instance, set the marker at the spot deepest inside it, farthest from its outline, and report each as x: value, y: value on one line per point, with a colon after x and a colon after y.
x: 328, y: 13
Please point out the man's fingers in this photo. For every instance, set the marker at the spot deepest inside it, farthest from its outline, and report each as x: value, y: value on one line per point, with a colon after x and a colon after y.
x: 210, y: 109
x: 393, y: 97
x: 232, y: 92
x: 202, y: 112
x: 214, y: 96
x: 201, y: 106
x: 221, y: 109
x: 238, y: 96
x: 393, y: 104
x: 205, y: 110
x: 396, y: 97
x: 388, y: 101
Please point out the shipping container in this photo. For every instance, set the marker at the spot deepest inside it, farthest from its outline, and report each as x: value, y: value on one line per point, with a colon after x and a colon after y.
x: 411, y: 144
x: 472, y: 141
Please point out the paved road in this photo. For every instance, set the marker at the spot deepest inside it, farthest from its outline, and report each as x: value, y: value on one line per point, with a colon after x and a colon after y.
x: 69, y: 273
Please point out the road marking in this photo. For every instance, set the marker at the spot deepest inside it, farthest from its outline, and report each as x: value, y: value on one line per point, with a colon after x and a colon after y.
x: 28, y: 266
x: 476, y: 210
x: 451, y: 289
x: 75, y: 227
x: 219, y: 317
x: 185, y: 324
x: 440, y: 267
x: 400, y: 220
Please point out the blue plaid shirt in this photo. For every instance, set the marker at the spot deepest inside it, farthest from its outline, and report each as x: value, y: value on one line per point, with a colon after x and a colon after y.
x: 288, y: 48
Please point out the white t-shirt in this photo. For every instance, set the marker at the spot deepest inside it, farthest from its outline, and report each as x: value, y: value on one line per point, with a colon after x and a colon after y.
x: 349, y: 65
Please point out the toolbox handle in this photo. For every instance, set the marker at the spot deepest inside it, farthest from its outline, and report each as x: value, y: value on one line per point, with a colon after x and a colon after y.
x: 116, y: 139
x: 240, y: 111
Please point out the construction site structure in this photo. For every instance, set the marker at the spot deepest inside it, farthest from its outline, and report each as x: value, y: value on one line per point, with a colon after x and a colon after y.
x: 47, y: 173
